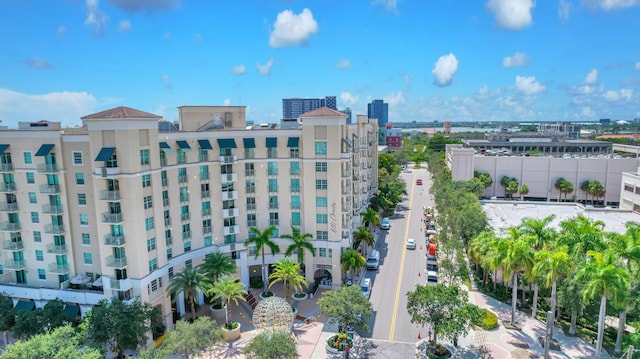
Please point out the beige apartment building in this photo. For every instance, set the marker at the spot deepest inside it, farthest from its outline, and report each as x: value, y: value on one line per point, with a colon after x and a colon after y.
x: 118, y: 206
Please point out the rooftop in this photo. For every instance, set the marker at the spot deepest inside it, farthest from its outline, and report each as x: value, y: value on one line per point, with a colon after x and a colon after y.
x: 121, y: 112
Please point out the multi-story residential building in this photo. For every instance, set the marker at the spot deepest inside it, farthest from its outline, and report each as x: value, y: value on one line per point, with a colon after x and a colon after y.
x: 116, y: 207
x: 292, y: 108
x: 393, y: 137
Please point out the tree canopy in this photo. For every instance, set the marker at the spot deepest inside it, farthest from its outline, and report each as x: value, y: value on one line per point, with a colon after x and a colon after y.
x: 347, y: 307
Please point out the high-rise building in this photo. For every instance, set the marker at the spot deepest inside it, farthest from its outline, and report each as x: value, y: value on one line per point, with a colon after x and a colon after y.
x: 292, y: 108
x: 117, y: 207
x: 379, y: 110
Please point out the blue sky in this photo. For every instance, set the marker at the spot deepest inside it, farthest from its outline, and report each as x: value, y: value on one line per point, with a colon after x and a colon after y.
x: 459, y: 60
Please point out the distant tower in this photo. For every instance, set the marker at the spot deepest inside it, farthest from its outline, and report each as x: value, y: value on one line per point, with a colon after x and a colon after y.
x: 294, y: 107
x: 446, y: 127
x: 380, y: 110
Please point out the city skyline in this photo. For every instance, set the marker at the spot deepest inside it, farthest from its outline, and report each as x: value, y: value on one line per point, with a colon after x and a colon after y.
x: 495, y: 60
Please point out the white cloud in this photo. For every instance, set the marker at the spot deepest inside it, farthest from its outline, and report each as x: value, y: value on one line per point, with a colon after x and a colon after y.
x: 516, y: 60
x: 483, y: 92
x: 343, y: 64
x: 293, y: 30
x: 528, y: 85
x: 265, y: 70
x: 96, y: 17
x: 620, y: 95
x: 348, y: 99
x: 66, y: 107
x: 564, y: 9
x: 395, y: 99
x: 609, y: 5
x: 239, y: 70
x: 389, y: 5
x: 167, y: 81
x: 62, y: 30
x: 444, y: 69
x: 637, y: 66
x: 37, y: 63
x: 227, y: 101
x: 124, y: 25
x: 592, y: 77
x: 511, y: 14
x: 587, y: 112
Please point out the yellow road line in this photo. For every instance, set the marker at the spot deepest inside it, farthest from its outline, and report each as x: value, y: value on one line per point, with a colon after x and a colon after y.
x: 404, y: 252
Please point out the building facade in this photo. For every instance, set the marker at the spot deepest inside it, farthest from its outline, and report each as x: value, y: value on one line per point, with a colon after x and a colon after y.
x: 116, y: 208
x: 292, y: 108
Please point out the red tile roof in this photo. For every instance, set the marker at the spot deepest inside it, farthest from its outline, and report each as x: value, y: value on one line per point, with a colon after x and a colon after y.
x: 323, y: 112
x: 121, y: 112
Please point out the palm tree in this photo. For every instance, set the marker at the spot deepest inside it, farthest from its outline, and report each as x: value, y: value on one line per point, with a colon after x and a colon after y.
x: 585, y: 186
x: 300, y: 243
x: 603, y: 277
x: 216, y: 265
x: 524, y: 190
x: 362, y: 235
x: 597, y: 189
x: 288, y: 272
x: 553, y: 264
x: 262, y: 239
x: 351, y: 261
x: 371, y: 218
x: 189, y: 281
x: 479, y: 253
x: 229, y: 289
x: 581, y: 235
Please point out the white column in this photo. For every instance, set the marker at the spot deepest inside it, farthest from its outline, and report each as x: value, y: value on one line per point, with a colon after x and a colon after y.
x: 243, y: 264
x: 200, y: 296
x: 180, y: 303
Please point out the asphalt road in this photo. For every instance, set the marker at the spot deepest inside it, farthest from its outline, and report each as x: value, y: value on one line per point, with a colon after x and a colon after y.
x: 400, y: 267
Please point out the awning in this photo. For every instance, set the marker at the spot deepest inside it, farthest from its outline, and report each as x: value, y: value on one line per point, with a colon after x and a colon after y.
x: 105, y: 154
x: 3, y: 148
x: 72, y: 311
x: 249, y: 142
x: 184, y: 145
x: 272, y: 142
x: 347, y: 142
x: 226, y: 143
x: 25, y: 305
x: 44, y: 149
x: 205, y: 145
x: 293, y: 141
x: 165, y: 147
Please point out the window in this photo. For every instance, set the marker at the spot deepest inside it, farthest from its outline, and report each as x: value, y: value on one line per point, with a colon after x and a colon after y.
x: 151, y: 244
x: 273, y: 202
x: 322, y: 252
x: 272, y: 168
x: 322, y: 218
x: 295, y: 202
x: 204, y: 173
x: 294, y: 168
x: 148, y: 202
x: 84, y: 219
x: 42, y: 274
x: 248, y: 153
x: 295, y: 185
x: 182, y: 175
x: 230, y: 239
x: 169, y: 253
x: 206, y: 208
x: 249, y: 169
x: 27, y: 158
x: 251, y: 203
x: 322, y: 235
x: 321, y: 167
x: 187, y: 246
x: 208, y: 241
x: 86, y: 239
x: 188, y: 263
x: 206, y: 226
x: 39, y: 255
x: 148, y: 223
x: 181, y: 156
x: 77, y: 158
x: 88, y: 258
x: 37, y: 236
x: 321, y: 201
x: 186, y: 231
x: 294, y: 152
x: 31, y: 179
x: 184, y: 213
x: 154, y: 285
x: 34, y: 217
x: 163, y: 158
x: 273, y: 185
x: 33, y: 198
x: 153, y: 265
x: 146, y: 181
x: 144, y: 157
x: 250, y: 186
x: 273, y: 218
x: 251, y: 219
x: 82, y: 199
x: 321, y: 184
x: 295, y: 218
x: 80, y: 179
x: 168, y: 237
x: 203, y: 155
x: 165, y: 198
x: 330, y: 253
x: 170, y: 272
x: 163, y: 178
x: 272, y: 152
x: 321, y: 148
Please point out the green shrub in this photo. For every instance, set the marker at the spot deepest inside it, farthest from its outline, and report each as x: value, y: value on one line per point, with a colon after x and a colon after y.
x: 256, y: 282
x: 488, y: 321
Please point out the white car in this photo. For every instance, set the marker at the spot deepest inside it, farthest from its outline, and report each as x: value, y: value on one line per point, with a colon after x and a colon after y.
x: 385, y: 224
x: 432, y: 277
x: 366, y: 287
x: 411, y: 243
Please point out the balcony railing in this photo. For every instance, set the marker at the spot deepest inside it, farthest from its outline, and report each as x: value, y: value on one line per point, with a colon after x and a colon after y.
x: 228, y: 230
x: 249, y: 173
x: 107, y: 195
x: 251, y: 207
x: 204, y: 176
x: 184, y: 198
x: 112, y: 218
x: 185, y: 216
x: 52, y: 209
x: 115, y: 262
x: 205, y: 194
x: 167, y: 221
x: 107, y: 171
x: 9, y: 226
x: 50, y: 188
x: 115, y: 241
x: 53, y: 228
x: 252, y: 223
x: 165, y: 202
x: 14, y: 264
x: 229, y: 177
x: 228, y: 159
x: 8, y: 207
x: 230, y: 212
x: 12, y: 245
x: 53, y: 248
x: 206, y: 212
x: 207, y: 230
x: 273, y: 205
x: 6, y: 167
x: 120, y: 284
x: 57, y: 268
x: 186, y: 235
x: 229, y: 195
x: 183, y: 179
x: 47, y: 168
x: 7, y: 187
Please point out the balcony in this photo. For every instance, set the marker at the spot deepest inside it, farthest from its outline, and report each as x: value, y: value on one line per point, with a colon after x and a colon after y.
x: 249, y: 173
x: 183, y: 179
x: 56, y: 268
x: 207, y: 230
x: 121, y: 284
x: 228, y: 159
x: 205, y: 194
x: 273, y: 205
x: 112, y: 218
x: 114, y: 262
x: 108, y: 195
x: 229, y: 177
x: 11, y: 264
x: 345, y: 173
x: 167, y: 222
x: 252, y: 223
x: 184, y: 198
x: 206, y: 212
x: 9, y: 226
x: 8, y: 207
x: 53, y: 248
x: 186, y: 235
x: 113, y: 240
x: 52, y: 209
x: 12, y: 245
x: 185, y: 216
x: 165, y: 202
x: 53, y: 228
x: 47, y: 168
x: 228, y: 230
x: 229, y: 195
x: 231, y: 212
x: 107, y: 171
x: 50, y: 188
x: 204, y: 176
x: 6, y: 167
x: 7, y: 187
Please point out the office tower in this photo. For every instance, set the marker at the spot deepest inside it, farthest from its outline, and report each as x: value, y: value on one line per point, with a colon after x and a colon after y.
x: 292, y: 108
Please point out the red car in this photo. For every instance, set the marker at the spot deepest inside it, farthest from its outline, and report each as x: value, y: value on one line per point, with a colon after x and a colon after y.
x: 419, y: 181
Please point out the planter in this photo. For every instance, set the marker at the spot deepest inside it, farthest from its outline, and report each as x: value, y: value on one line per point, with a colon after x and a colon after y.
x: 231, y: 334
x: 264, y: 295
x: 218, y: 314
x: 340, y: 349
x: 303, y: 297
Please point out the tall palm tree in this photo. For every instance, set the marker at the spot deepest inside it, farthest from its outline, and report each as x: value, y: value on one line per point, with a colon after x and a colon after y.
x: 362, y: 235
x: 216, y: 265
x: 604, y: 278
x: 262, y: 239
x: 585, y: 186
x: 543, y: 235
x: 300, y: 243
x: 479, y: 253
x: 189, y: 280
x: 581, y: 235
x: 351, y: 261
x: 553, y: 264
x: 288, y: 272
x: 229, y: 289
x: 371, y: 218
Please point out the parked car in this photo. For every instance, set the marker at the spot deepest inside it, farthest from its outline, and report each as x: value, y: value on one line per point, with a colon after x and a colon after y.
x: 366, y: 287
x: 419, y: 181
x: 411, y: 243
x: 385, y: 224
x: 373, y: 259
x: 432, y: 277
